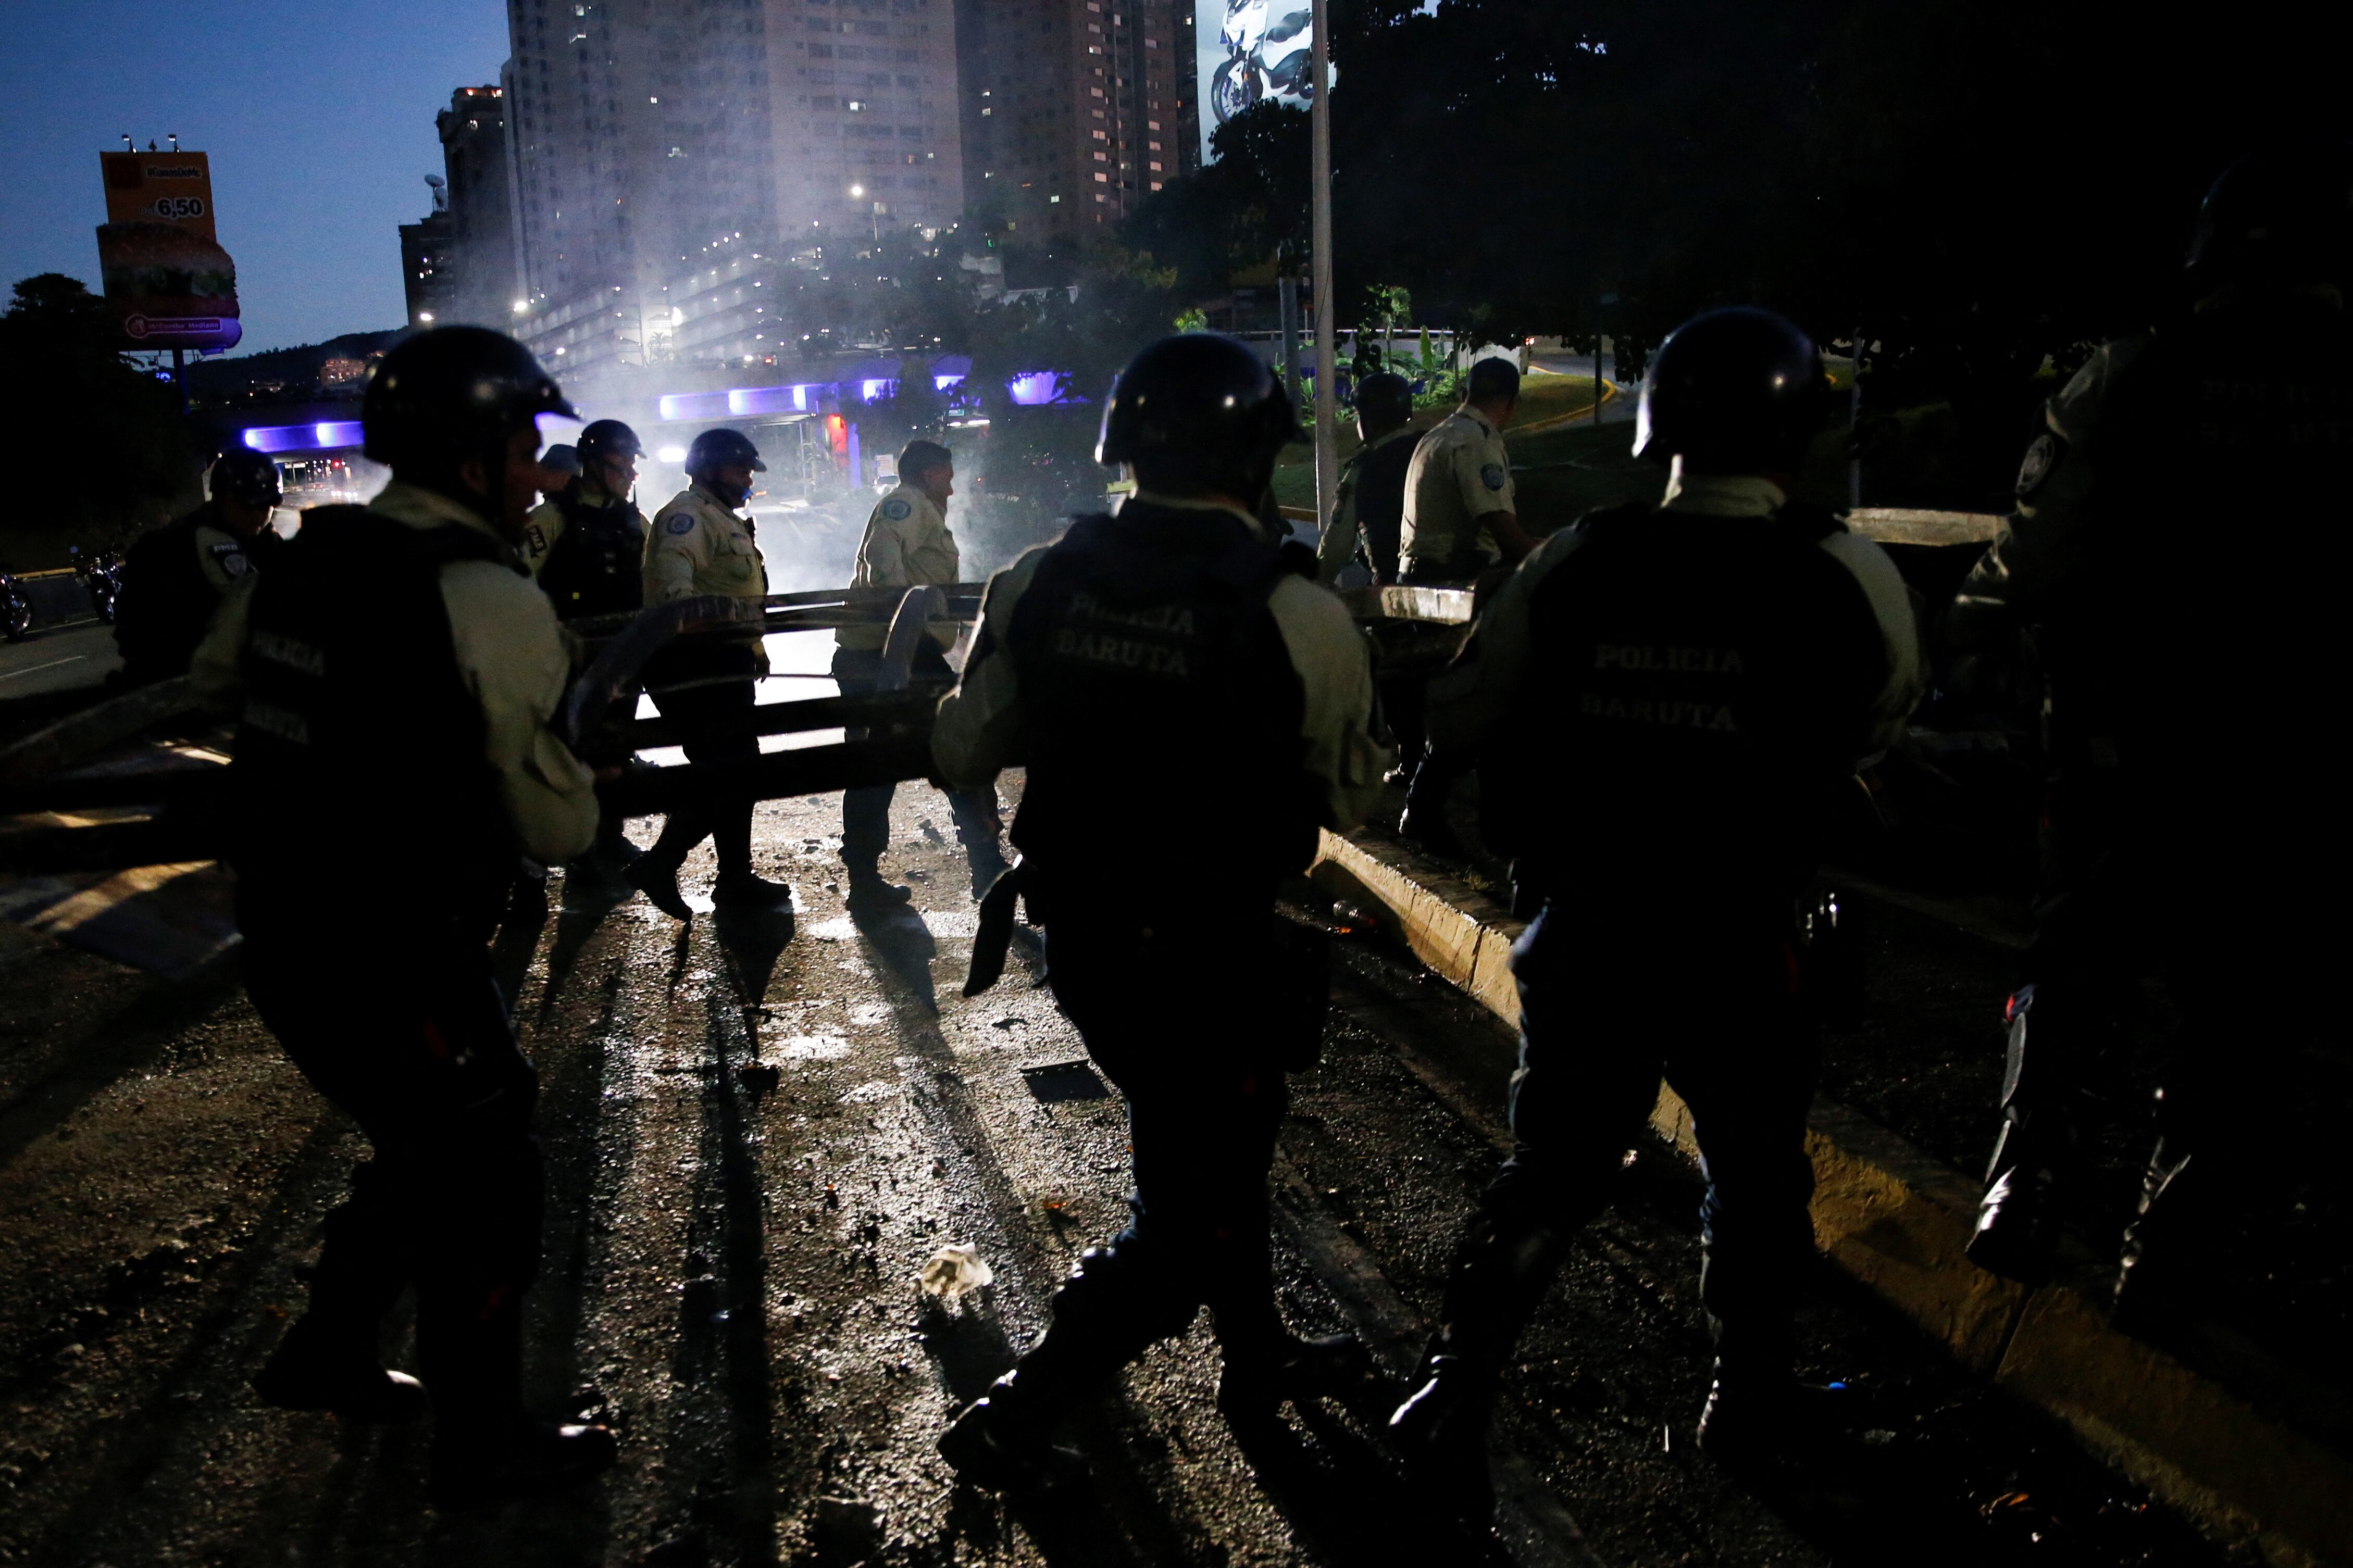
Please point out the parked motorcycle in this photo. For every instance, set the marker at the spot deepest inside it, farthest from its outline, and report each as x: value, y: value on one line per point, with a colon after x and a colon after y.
x: 1270, y: 53
x: 15, y: 610
x: 101, y: 574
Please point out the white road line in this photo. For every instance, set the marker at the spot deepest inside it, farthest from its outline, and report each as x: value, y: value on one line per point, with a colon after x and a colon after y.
x: 69, y: 658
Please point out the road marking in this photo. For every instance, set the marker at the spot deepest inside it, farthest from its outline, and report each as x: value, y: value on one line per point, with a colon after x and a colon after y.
x: 69, y: 658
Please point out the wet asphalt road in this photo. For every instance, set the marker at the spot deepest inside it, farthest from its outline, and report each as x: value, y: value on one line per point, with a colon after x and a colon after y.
x: 731, y: 1278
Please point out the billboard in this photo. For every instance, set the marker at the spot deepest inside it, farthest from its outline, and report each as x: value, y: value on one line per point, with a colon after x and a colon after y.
x: 170, y: 284
x: 1249, y: 50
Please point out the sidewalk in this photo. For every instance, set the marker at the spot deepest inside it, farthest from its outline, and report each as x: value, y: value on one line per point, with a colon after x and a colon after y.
x: 2262, y: 1459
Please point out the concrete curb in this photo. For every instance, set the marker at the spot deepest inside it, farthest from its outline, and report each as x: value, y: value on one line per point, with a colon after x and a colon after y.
x: 1897, y: 1220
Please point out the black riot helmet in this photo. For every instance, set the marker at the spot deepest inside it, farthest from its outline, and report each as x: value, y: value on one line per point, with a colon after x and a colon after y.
x: 2281, y: 216
x: 1198, y: 415
x: 609, y: 439
x: 451, y: 395
x: 714, y: 449
x: 1384, y: 402
x: 1740, y: 391
x: 244, y: 475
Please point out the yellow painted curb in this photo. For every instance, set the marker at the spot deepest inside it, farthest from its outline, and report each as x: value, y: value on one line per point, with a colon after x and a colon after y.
x: 1897, y: 1220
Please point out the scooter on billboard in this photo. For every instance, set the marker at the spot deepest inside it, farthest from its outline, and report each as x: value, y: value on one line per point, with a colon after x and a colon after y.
x: 1270, y: 53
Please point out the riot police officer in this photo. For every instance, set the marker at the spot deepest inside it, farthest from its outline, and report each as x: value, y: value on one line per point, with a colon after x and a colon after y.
x: 1673, y: 697
x: 1460, y: 514
x: 585, y: 543
x: 1161, y: 665
x: 907, y: 542
x: 2176, y: 653
x: 395, y: 674
x: 176, y: 576
x: 1369, y: 523
x: 700, y: 544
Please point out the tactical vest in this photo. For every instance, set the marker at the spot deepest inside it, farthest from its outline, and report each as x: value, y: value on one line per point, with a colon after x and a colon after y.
x: 166, y: 602
x: 1158, y: 699
x: 363, y: 796
x: 1696, y: 694
x: 597, y: 566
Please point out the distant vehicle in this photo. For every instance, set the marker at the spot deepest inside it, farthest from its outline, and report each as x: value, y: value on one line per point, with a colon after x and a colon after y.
x: 15, y: 610
x: 101, y: 574
x: 1269, y: 54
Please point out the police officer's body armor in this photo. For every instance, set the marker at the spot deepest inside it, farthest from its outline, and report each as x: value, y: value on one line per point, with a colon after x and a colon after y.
x: 596, y: 565
x: 361, y: 739
x: 1156, y: 688
x: 166, y: 598
x: 1691, y: 708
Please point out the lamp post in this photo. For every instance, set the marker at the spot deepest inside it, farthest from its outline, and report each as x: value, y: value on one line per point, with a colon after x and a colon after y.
x: 1327, y: 390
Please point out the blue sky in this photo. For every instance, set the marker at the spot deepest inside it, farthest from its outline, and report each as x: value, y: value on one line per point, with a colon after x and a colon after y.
x: 319, y: 118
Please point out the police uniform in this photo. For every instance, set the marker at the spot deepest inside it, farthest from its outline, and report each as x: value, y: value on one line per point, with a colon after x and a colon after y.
x: 1369, y: 523
x: 1161, y: 667
x: 1460, y: 476
x: 2174, y: 658
x: 906, y: 544
x: 699, y: 545
x: 1673, y: 699
x: 395, y: 675
x: 172, y: 582
x: 587, y: 551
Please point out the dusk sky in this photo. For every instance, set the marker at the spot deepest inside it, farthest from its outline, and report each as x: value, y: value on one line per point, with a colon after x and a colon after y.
x: 319, y: 118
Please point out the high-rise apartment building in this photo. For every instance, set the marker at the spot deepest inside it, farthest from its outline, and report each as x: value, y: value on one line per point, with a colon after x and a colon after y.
x: 1075, y: 111
x: 670, y: 156
x: 481, y: 235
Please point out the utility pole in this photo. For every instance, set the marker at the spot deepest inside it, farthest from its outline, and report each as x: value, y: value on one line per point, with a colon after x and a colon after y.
x: 1327, y: 390
x: 1287, y: 297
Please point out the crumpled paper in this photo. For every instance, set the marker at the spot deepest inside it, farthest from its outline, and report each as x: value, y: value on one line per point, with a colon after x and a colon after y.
x: 954, y: 1272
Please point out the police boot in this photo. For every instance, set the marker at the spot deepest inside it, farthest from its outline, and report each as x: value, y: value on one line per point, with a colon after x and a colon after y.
x: 1759, y: 1413
x: 656, y: 876
x: 2019, y: 1225
x: 322, y: 1366
x: 1423, y: 822
x: 748, y: 889
x: 870, y: 893
x: 1440, y: 1430
x: 485, y: 1448
x: 515, y: 1460
x: 1258, y: 1378
x: 1003, y: 1440
x: 2169, y: 1277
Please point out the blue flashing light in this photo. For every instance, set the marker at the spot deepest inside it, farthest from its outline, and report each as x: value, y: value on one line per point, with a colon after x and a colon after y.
x: 326, y: 435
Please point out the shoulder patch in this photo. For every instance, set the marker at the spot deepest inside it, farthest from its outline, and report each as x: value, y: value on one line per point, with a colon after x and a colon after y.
x: 535, y: 540
x: 1494, y: 475
x: 2040, y: 458
x: 897, y: 510
x: 682, y: 523
x: 231, y: 559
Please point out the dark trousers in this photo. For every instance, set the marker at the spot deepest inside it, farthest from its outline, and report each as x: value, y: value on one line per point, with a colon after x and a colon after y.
x: 722, y: 814
x: 411, y: 1040
x: 866, y: 812
x: 1611, y: 1003
x: 1188, y: 1031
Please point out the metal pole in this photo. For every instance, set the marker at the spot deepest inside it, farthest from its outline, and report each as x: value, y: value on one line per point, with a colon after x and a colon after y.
x: 1855, y: 427
x: 1327, y: 390
x: 1287, y: 296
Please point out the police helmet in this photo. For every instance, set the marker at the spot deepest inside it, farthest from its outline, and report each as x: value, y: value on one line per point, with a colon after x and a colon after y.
x: 1736, y: 391
x: 609, y: 438
x: 1198, y: 414
x: 715, y: 450
x: 247, y: 476
x: 2284, y: 215
x: 1385, y: 401
x: 561, y: 460
x: 448, y: 395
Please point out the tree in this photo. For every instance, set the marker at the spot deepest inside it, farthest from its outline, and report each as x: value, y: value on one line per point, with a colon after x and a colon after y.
x: 70, y: 396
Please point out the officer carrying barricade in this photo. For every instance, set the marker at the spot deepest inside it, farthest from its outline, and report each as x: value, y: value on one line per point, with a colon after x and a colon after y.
x: 700, y: 544
x: 1665, y: 703
x: 1157, y: 666
x: 395, y: 674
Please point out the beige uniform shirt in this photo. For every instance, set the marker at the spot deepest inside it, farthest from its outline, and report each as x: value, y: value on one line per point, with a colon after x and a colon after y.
x: 979, y: 730
x: 907, y: 543
x: 1460, y: 476
x: 697, y: 545
x: 511, y: 657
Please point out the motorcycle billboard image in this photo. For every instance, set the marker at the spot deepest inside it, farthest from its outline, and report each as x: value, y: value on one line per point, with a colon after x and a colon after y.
x: 1250, y: 50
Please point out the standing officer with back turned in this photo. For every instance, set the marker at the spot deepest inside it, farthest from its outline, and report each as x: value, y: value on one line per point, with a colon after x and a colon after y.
x: 906, y: 544
x: 1161, y: 666
x: 700, y: 544
x: 396, y: 673
x: 2179, y: 653
x: 1678, y: 697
